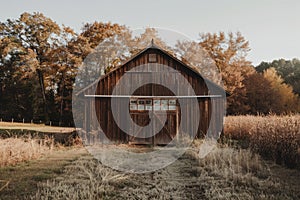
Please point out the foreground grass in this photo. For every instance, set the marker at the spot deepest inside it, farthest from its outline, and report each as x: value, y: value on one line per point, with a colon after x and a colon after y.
x: 226, y: 173
x: 28, y: 157
x: 24, y: 177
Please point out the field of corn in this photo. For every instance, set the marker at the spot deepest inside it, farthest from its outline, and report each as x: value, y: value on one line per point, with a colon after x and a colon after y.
x: 273, y: 137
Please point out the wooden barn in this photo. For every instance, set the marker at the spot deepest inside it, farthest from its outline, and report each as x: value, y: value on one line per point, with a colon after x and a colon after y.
x: 182, y: 116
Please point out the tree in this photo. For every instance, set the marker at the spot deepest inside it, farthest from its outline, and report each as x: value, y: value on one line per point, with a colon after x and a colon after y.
x: 15, y: 93
x: 229, y: 53
x: 261, y: 97
x: 287, y: 101
x: 43, y: 59
x: 194, y: 55
x: 144, y: 40
x: 289, y: 70
x: 91, y: 48
x: 37, y: 33
x: 96, y: 32
x: 63, y: 64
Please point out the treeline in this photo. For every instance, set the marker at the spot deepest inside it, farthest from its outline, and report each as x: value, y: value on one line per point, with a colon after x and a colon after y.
x: 39, y: 60
x: 265, y: 89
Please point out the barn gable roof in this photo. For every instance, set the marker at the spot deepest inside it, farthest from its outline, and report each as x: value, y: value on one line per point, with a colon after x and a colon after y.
x: 152, y: 46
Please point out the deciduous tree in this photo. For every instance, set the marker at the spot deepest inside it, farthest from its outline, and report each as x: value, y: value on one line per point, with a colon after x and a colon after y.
x: 229, y: 53
x: 286, y: 101
x: 289, y: 70
x: 37, y: 33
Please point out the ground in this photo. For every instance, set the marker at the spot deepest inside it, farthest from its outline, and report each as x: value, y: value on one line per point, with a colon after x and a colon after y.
x: 23, y: 178
x: 60, y: 172
x: 71, y: 173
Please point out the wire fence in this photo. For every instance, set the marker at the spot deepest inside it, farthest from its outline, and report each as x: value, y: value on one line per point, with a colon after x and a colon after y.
x: 31, y: 121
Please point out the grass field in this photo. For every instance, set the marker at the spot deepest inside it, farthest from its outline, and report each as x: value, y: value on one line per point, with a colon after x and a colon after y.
x: 233, y: 170
x: 23, y: 178
x: 226, y: 173
x: 30, y: 153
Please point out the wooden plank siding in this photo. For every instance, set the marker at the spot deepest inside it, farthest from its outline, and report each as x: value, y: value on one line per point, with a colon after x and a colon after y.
x: 106, y: 85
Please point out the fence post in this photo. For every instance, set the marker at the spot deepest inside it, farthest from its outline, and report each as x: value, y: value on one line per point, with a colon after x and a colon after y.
x: 31, y: 121
x: 23, y: 120
x: 50, y: 123
x: 12, y: 120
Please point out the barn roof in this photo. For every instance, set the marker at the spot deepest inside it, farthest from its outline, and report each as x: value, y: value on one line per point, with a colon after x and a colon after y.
x: 152, y: 46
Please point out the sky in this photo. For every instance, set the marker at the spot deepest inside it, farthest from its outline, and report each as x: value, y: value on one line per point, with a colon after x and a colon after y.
x: 271, y: 27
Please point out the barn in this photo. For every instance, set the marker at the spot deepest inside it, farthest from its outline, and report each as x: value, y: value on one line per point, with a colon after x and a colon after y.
x: 152, y: 98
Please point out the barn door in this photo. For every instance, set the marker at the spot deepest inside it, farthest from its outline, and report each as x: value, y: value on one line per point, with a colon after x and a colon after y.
x: 168, y: 132
x: 139, y: 137
x: 140, y: 111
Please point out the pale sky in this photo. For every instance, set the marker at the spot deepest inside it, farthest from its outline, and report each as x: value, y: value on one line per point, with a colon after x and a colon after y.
x: 271, y: 27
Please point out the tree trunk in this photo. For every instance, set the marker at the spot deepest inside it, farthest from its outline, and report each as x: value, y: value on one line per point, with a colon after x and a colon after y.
x: 1, y: 95
x: 41, y: 82
x: 62, y: 99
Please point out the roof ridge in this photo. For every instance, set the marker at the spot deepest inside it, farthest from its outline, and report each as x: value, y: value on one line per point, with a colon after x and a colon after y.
x: 151, y: 46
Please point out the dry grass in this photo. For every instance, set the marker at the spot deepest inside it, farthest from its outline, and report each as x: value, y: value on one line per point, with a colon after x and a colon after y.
x: 6, y: 183
x: 84, y: 179
x: 15, y: 150
x: 20, y: 181
x: 226, y: 173
x: 240, y: 174
x: 273, y: 137
x: 35, y: 127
